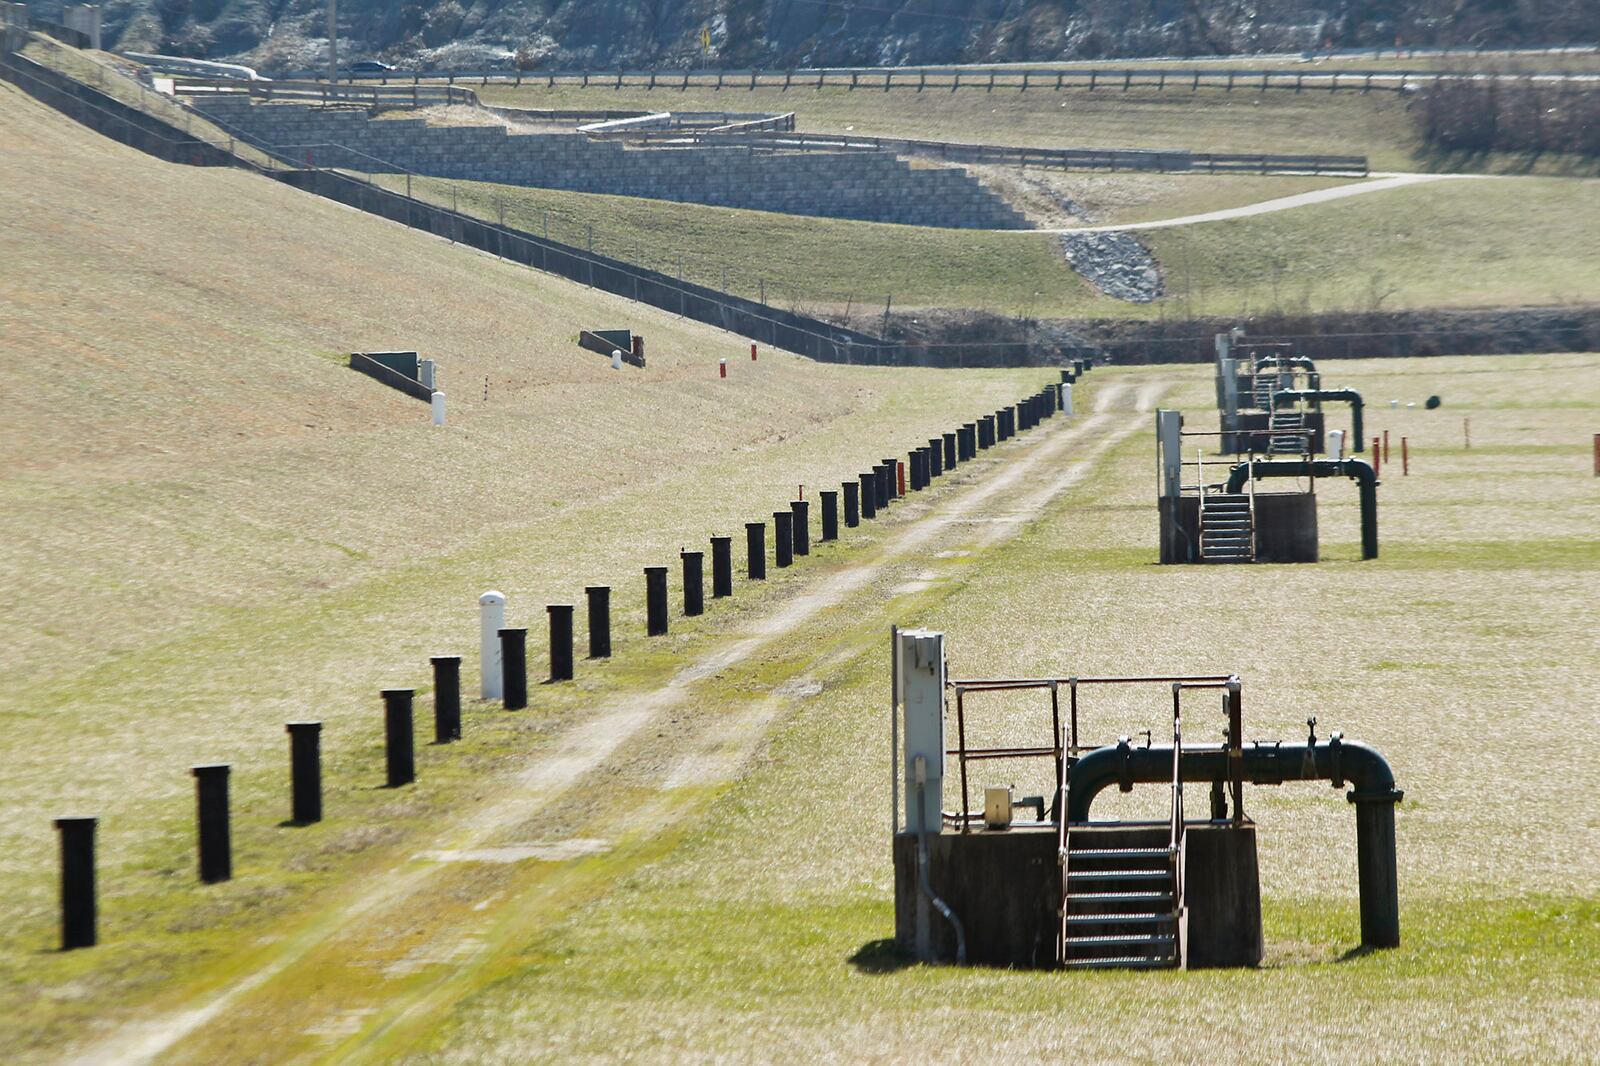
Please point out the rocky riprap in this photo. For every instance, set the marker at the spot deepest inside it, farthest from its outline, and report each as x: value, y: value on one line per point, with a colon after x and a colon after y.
x: 1115, y: 263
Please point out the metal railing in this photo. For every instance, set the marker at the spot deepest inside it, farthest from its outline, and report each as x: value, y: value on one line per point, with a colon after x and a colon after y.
x: 987, y: 78
x: 1106, y: 159
x: 1175, y: 832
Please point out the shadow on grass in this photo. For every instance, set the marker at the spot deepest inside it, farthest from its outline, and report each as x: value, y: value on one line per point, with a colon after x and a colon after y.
x: 880, y: 956
x: 1360, y: 951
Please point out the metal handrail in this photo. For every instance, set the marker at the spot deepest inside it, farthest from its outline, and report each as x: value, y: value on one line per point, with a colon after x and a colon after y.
x: 1251, y: 485
x: 1175, y: 838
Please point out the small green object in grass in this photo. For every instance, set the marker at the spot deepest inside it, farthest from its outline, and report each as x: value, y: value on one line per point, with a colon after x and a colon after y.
x: 1433, y: 401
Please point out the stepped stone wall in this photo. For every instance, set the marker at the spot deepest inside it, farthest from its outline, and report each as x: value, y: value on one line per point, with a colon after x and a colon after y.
x: 872, y: 186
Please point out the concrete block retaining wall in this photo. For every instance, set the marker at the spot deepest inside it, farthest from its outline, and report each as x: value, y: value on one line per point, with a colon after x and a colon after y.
x: 871, y: 186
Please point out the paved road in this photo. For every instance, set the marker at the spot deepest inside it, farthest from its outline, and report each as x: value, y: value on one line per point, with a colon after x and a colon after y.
x: 1265, y: 207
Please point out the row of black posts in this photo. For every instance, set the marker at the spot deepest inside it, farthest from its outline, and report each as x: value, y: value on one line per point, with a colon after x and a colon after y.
x: 862, y: 498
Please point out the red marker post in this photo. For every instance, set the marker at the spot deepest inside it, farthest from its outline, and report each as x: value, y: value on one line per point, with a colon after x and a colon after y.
x: 1405, y: 458
x: 722, y: 368
x: 752, y: 351
x: 901, y: 468
x: 1386, y: 446
x: 1377, y: 455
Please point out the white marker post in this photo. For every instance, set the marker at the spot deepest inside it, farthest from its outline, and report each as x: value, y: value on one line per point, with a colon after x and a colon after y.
x: 1066, y: 398
x: 438, y: 408
x: 1336, y: 443
x: 491, y: 620
x: 616, y: 359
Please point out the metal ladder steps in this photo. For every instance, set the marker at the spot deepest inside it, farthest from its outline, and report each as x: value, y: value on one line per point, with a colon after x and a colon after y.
x: 1136, y: 945
x: 1160, y: 872
x: 1114, y: 898
x: 1142, y: 918
x: 1130, y: 853
x: 1134, y: 962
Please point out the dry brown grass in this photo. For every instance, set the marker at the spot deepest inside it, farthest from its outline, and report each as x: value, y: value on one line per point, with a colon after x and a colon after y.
x: 211, y: 526
x: 1468, y: 641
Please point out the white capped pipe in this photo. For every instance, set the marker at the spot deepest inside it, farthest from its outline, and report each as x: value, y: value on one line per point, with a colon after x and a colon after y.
x: 491, y: 620
x: 616, y: 359
x: 1066, y: 398
x: 438, y: 408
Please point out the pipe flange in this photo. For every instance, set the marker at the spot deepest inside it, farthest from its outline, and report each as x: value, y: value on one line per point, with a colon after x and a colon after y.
x: 1388, y: 795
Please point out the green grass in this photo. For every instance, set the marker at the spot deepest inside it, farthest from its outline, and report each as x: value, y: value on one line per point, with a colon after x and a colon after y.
x: 1455, y: 243
x: 210, y: 527
x: 762, y: 933
x: 1281, y: 122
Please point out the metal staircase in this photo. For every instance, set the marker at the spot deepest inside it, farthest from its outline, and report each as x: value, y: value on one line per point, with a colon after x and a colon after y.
x: 1120, y: 899
x: 1262, y: 385
x: 1286, y: 428
x: 1227, y: 528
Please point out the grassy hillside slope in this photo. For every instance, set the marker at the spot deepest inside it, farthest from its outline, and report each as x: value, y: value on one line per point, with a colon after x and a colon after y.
x: 209, y: 526
x: 1455, y: 243
x: 1322, y: 123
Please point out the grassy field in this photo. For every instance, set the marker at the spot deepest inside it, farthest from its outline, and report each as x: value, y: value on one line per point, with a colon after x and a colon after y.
x: 210, y: 526
x: 761, y: 933
x: 1455, y: 243
x: 1329, y: 124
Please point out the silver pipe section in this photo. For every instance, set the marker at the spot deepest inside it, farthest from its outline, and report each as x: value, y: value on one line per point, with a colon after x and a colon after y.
x: 1335, y: 760
x: 924, y: 883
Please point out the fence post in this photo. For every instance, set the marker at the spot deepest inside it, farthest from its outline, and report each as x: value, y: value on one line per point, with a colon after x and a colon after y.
x: 694, y: 586
x: 215, y: 846
x: 655, y: 597
x: 721, y: 567
x: 755, y: 540
x: 830, y: 514
x: 399, y: 740
x: 78, y: 906
x: 305, y: 772
x: 560, y: 640
x: 514, y: 668
x: 446, y: 698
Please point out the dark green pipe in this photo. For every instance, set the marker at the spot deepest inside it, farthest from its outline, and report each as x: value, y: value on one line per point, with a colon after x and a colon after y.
x: 1366, y: 482
x: 1357, y: 407
x: 1286, y: 360
x: 1334, y: 760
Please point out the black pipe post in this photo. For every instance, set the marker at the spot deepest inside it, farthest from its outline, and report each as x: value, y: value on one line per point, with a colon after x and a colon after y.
x: 986, y: 432
x: 782, y: 538
x: 561, y: 615
x: 869, y: 495
x: 886, y: 478
x: 305, y: 772
x: 919, y: 469
x: 215, y: 844
x: 755, y: 543
x: 655, y: 601
x: 936, y: 457
x: 950, y: 451
x: 830, y: 514
x: 514, y: 668
x: 446, y: 698
x: 721, y: 567
x: 78, y: 907
x: 398, y: 736
x: 800, y: 530
x: 1378, y: 880
x: 967, y: 442
x: 694, y: 583
x: 599, y: 621
x: 852, y: 503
